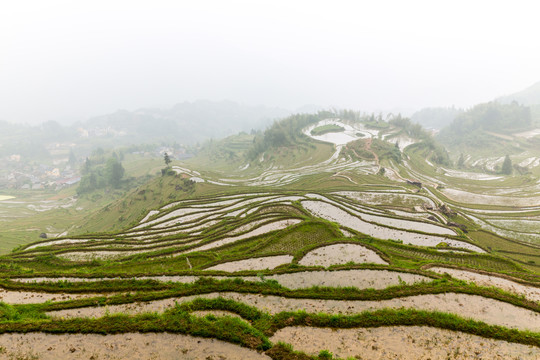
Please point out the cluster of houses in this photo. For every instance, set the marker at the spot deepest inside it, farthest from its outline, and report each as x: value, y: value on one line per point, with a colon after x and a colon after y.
x: 19, y: 172
x: 16, y: 172
x: 37, y: 177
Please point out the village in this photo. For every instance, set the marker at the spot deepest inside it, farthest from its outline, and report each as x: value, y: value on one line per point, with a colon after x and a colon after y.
x: 60, y: 167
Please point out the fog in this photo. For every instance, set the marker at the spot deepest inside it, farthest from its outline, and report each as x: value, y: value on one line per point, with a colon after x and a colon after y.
x: 67, y: 61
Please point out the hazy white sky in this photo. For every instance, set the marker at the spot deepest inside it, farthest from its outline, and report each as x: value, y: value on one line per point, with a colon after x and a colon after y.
x: 69, y: 60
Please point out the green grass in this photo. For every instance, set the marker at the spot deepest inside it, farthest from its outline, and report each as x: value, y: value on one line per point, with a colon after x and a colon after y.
x: 420, y: 257
x: 518, y: 250
x: 129, y: 210
x: 325, y: 129
x: 310, y: 153
x: 290, y: 242
x: 225, y: 156
x: 23, y: 225
x: 225, y: 328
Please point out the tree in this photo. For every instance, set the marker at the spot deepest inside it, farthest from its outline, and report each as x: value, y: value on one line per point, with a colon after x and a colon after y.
x: 167, y: 159
x: 93, y: 182
x: 115, y: 172
x: 461, y: 162
x: 72, y: 159
x: 87, y: 167
x: 89, y: 183
x: 507, y: 166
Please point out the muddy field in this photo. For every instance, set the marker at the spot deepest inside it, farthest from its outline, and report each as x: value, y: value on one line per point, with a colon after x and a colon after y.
x: 359, y: 278
x: 401, y: 342
x: 134, y: 346
x: 530, y: 292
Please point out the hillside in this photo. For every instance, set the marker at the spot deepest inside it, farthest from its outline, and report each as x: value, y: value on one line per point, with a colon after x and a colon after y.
x: 435, y: 118
x: 186, y: 123
x: 484, y: 125
x: 482, y: 137
x: 236, y: 255
x: 528, y: 96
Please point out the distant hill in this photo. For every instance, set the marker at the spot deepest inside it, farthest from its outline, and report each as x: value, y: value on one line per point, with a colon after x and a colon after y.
x: 30, y: 141
x: 187, y: 122
x: 528, y: 96
x: 471, y: 127
x: 435, y: 117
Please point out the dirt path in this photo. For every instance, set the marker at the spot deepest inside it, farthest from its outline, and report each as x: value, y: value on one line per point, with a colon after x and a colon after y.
x: 367, y: 147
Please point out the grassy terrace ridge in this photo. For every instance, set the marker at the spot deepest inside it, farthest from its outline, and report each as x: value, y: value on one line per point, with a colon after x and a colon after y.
x: 268, y: 287
x: 261, y: 325
x: 226, y: 328
x: 325, y: 129
x: 55, y: 277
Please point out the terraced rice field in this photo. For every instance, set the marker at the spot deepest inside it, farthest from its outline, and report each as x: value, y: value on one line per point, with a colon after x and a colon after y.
x: 341, y: 254
x: 400, y: 342
x: 30, y: 297
x: 530, y: 292
x: 474, y: 307
x: 198, y: 226
x: 269, y: 262
x: 324, y: 256
x: 359, y: 278
x: 121, y: 346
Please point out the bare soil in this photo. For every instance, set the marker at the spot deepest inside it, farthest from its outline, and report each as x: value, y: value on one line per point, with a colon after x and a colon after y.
x: 133, y: 346
x: 401, y: 342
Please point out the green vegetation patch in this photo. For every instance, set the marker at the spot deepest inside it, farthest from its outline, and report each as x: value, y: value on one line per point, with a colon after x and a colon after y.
x: 325, y: 129
x: 175, y: 321
x: 307, y: 234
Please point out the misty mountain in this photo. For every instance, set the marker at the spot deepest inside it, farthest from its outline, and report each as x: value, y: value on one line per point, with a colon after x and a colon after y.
x: 528, y: 96
x: 472, y: 126
x: 187, y: 122
x: 435, y: 117
x: 30, y: 141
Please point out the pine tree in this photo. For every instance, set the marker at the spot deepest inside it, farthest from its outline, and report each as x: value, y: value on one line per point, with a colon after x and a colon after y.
x: 167, y: 159
x: 115, y: 171
x: 87, y: 168
x: 461, y: 162
x: 507, y: 166
x: 72, y: 159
